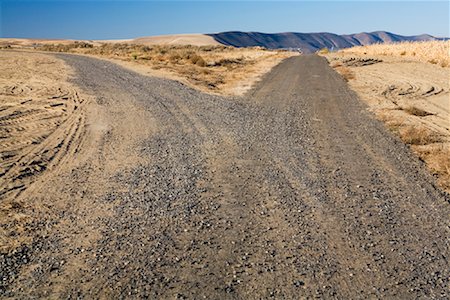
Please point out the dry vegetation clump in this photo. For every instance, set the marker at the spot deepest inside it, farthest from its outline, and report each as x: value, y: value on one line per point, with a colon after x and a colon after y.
x: 417, y: 135
x: 211, y: 68
x: 415, y: 111
x: 65, y: 47
x: 434, y: 52
x: 432, y: 149
x: 438, y: 160
x: 345, y: 72
x: 323, y: 51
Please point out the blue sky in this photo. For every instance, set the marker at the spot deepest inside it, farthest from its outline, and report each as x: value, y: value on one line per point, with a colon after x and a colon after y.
x: 127, y: 19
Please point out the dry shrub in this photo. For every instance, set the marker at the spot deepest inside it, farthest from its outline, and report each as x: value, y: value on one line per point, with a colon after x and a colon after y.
x: 323, y: 51
x: 435, y: 52
x: 417, y: 135
x: 438, y: 160
x: 442, y: 162
x: 174, y: 57
x: 65, y: 47
x: 336, y: 64
x: 346, y: 73
x: 228, y: 62
x: 412, y: 110
x: 197, y: 60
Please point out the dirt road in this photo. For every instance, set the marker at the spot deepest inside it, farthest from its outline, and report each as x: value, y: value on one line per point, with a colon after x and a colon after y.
x: 293, y: 191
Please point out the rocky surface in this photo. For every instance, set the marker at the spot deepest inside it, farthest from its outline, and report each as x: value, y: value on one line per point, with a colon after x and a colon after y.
x: 291, y: 191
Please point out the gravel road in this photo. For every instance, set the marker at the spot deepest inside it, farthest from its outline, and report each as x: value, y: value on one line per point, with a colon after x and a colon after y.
x: 291, y: 191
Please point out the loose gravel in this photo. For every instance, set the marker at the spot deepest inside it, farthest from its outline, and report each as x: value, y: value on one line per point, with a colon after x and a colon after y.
x: 291, y: 191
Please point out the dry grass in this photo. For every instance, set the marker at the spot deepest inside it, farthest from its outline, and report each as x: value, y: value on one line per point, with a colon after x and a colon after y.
x: 417, y: 135
x: 434, y: 52
x: 430, y: 148
x: 323, y: 51
x: 218, y: 69
x: 415, y: 111
x: 345, y: 72
x: 437, y: 159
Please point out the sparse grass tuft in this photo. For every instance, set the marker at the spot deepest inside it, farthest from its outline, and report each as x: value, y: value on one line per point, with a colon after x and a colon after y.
x: 324, y: 51
x: 412, y: 110
x: 345, y: 72
x: 438, y: 160
x: 417, y: 135
x: 197, y: 60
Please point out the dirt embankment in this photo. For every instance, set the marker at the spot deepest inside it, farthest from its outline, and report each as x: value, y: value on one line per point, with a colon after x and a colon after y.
x: 411, y: 97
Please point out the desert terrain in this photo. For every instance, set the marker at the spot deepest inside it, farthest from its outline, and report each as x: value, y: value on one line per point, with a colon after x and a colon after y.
x: 43, y: 127
x: 407, y: 86
x: 178, y: 39
x: 131, y: 172
x: 174, y: 40
x: 213, y: 69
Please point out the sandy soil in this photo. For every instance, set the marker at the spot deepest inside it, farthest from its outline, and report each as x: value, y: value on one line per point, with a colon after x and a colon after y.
x: 41, y: 116
x: 42, y: 128
x: 406, y: 94
x: 80, y: 138
x: 175, y: 39
x: 16, y: 42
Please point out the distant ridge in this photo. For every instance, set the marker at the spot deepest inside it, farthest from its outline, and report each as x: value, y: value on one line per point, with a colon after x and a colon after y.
x: 311, y: 42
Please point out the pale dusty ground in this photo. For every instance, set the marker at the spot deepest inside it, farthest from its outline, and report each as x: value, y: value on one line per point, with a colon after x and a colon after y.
x: 41, y: 114
x: 396, y: 84
x: 58, y: 138
x: 42, y: 126
x: 17, y: 43
x: 177, y: 39
x: 434, y: 52
x: 174, y: 39
x: 47, y: 127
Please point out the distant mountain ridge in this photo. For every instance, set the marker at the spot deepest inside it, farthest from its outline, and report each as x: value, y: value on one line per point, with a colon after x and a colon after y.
x: 311, y: 42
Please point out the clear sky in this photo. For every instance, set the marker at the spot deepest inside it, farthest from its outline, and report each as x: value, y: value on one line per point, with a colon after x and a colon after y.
x: 112, y: 19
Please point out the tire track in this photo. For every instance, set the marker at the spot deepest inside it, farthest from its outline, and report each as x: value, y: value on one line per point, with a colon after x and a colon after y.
x: 293, y: 191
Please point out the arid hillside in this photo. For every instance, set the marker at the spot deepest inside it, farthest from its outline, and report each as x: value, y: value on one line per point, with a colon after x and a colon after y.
x: 311, y: 42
